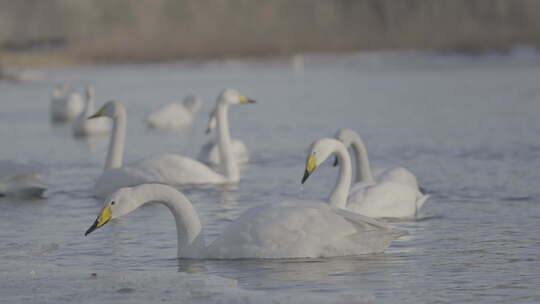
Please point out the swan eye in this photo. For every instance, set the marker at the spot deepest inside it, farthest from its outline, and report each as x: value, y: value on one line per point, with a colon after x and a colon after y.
x: 112, y: 203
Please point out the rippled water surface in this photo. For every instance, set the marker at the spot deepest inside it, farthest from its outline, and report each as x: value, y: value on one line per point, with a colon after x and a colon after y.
x: 467, y: 126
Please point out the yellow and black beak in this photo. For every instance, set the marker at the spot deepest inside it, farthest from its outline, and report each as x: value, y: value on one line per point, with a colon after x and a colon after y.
x: 103, y: 218
x: 311, y: 164
x: 244, y: 99
x: 99, y: 113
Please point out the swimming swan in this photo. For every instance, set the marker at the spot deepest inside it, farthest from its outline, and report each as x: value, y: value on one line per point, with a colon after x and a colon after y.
x: 290, y: 229
x: 21, y: 179
x: 65, y: 104
x: 169, y: 169
x: 392, y: 193
x: 82, y: 126
x: 175, y: 115
x: 210, y: 151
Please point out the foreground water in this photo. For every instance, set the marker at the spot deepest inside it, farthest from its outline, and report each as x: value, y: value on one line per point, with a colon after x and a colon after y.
x: 468, y: 127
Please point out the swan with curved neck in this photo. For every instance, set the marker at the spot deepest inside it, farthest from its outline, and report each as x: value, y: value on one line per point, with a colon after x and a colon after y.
x: 319, y: 151
x: 210, y: 152
x: 393, y: 193
x: 289, y: 229
x: 169, y: 169
x: 175, y: 115
x: 82, y: 126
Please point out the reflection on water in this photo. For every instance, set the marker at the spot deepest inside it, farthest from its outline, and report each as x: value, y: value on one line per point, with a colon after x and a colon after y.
x: 467, y: 127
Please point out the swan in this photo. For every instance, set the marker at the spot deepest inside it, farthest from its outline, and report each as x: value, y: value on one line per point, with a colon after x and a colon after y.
x: 392, y: 193
x: 210, y: 151
x: 175, y: 115
x: 289, y: 229
x: 21, y: 179
x: 168, y: 168
x: 84, y: 127
x: 65, y: 104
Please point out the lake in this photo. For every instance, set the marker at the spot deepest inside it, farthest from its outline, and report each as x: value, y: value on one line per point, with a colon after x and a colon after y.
x: 467, y: 126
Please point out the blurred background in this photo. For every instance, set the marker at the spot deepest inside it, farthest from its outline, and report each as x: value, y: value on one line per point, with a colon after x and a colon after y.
x: 65, y: 31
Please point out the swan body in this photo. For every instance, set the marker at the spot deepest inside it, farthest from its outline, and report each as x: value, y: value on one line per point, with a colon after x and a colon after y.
x: 82, y: 126
x: 392, y: 193
x: 289, y: 229
x: 175, y: 115
x: 210, y: 151
x: 65, y: 104
x: 21, y: 179
x: 169, y: 168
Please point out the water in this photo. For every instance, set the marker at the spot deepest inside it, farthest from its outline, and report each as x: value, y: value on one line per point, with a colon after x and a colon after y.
x: 467, y: 126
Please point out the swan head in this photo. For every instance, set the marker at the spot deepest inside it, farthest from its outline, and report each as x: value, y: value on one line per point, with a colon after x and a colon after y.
x: 111, y: 109
x: 346, y: 136
x: 318, y: 152
x: 89, y: 92
x: 117, y: 204
x: 230, y: 96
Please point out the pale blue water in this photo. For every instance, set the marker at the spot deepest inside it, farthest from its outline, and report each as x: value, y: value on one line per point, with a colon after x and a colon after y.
x: 467, y: 126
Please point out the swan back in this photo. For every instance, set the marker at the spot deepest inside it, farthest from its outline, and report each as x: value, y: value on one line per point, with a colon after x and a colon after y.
x: 294, y: 229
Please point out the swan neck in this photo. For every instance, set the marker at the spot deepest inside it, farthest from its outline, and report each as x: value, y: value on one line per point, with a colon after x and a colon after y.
x: 363, y: 169
x: 228, y: 164
x: 338, y: 197
x: 88, y: 107
x: 188, y: 226
x: 116, y: 145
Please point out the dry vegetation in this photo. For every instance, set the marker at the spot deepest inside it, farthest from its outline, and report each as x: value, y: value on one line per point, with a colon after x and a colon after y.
x: 132, y: 30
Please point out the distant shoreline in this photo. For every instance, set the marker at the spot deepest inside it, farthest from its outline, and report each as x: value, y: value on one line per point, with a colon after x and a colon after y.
x: 88, y: 32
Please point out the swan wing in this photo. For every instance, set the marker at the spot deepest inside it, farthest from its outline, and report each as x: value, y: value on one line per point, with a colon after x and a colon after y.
x: 171, y: 169
x: 384, y: 199
x: 173, y: 115
x: 293, y: 229
x: 397, y: 175
x: 239, y: 149
x: 10, y: 168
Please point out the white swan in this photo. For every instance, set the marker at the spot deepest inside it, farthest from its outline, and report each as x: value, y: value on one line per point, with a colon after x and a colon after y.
x: 175, y: 115
x: 290, y: 229
x: 392, y: 193
x: 65, y: 104
x: 210, y: 151
x: 82, y: 126
x: 21, y: 179
x: 169, y: 168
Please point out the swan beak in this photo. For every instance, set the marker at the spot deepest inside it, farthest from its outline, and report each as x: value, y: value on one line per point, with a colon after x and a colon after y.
x: 103, y: 218
x: 311, y: 164
x: 306, y: 175
x: 336, y: 161
x: 99, y: 113
x: 244, y: 99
